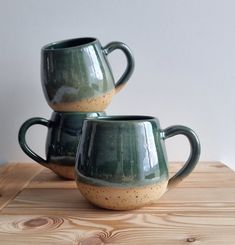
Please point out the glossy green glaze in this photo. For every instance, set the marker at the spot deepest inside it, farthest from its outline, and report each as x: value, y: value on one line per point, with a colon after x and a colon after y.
x: 121, y: 152
x: 64, y: 131
x: 128, y: 152
x: 76, y: 75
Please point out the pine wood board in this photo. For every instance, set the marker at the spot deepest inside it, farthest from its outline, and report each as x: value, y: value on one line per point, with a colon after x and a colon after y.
x: 202, y: 167
x: 46, y: 209
x: 48, y: 179
x: 127, y: 228
x: 52, y: 200
x: 15, y: 177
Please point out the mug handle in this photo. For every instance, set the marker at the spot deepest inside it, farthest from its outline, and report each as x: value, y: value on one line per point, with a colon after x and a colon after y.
x: 110, y: 47
x: 194, y: 152
x: 22, y: 141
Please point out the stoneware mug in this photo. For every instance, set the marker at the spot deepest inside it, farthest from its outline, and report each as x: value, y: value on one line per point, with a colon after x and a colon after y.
x: 122, y: 163
x: 76, y: 75
x: 64, y: 130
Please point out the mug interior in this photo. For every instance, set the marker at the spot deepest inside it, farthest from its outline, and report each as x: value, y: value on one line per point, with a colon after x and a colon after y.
x: 69, y: 43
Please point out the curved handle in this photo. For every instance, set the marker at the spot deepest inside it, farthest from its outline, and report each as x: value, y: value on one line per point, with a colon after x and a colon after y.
x: 22, y: 133
x: 130, y: 62
x: 194, y: 152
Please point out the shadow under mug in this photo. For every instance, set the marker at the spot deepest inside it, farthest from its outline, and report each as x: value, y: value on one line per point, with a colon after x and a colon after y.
x: 122, y: 163
x: 64, y: 131
x: 76, y: 74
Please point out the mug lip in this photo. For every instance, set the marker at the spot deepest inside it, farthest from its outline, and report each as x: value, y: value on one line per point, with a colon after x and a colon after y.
x: 51, y: 46
x: 122, y: 118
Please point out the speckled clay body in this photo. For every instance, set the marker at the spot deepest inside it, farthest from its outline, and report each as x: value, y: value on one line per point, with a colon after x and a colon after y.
x: 122, y: 164
x: 122, y: 198
x: 76, y: 75
x: 64, y: 131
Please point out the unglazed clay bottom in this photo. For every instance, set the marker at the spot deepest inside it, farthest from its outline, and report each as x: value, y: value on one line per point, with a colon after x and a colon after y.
x: 98, y: 103
x: 63, y: 171
x: 122, y: 198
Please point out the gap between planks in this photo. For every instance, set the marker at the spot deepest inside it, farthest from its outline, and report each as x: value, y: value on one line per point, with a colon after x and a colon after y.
x: 14, y: 178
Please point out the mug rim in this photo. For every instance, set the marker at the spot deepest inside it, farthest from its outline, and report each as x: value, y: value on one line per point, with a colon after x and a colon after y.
x: 122, y: 118
x: 84, y: 42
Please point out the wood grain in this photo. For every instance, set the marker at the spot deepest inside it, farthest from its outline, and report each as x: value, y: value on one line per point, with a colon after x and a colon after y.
x: 50, y: 210
x: 48, y: 179
x: 127, y: 228
x: 51, y: 201
x: 202, y: 167
x: 14, y: 177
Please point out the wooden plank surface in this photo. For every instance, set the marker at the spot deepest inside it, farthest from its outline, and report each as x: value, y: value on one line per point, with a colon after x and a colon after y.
x: 50, y: 210
x: 52, y: 200
x: 202, y: 167
x: 47, y: 179
x: 13, y: 178
x: 124, y: 228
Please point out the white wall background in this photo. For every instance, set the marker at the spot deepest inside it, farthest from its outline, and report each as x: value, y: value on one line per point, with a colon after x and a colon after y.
x: 185, y: 65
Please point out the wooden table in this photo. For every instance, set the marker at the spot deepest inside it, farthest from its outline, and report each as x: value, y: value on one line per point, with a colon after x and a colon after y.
x: 37, y: 207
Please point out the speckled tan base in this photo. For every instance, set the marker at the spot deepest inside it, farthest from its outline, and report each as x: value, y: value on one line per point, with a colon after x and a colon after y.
x: 98, y: 103
x: 122, y: 198
x: 63, y: 171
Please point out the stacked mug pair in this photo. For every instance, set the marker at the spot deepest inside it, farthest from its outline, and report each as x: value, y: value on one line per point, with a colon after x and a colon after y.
x: 119, y: 162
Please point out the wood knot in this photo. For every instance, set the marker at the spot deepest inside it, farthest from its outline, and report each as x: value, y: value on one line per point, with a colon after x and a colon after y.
x: 191, y: 239
x: 91, y: 240
x: 104, y: 237
x: 32, y: 223
x: 42, y: 223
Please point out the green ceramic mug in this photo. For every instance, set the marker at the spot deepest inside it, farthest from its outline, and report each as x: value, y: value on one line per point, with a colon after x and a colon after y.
x: 64, y: 131
x: 76, y: 75
x: 122, y: 164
